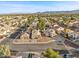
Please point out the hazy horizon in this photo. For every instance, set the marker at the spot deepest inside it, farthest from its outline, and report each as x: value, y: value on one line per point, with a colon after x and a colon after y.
x: 7, y: 7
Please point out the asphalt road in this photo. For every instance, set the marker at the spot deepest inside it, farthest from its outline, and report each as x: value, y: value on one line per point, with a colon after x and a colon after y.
x: 36, y: 47
x: 67, y: 42
x: 58, y: 46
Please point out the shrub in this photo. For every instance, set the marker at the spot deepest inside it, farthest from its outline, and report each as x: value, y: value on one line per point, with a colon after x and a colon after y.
x: 49, y: 53
x: 4, y: 51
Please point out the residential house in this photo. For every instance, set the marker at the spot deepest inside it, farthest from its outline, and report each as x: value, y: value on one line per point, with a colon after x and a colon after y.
x: 34, y: 24
x: 50, y: 32
x: 70, y: 24
x: 60, y: 30
x: 36, y: 34
x: 76, y: 24
x: 70, y: 33
x: 56, y: 26
x: 24, y: 37
x: 77, y: 36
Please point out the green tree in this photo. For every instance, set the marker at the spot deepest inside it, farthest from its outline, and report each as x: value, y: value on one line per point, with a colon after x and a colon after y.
x: 4, y: 51
x: 49, y: 53
x: 22, y: 23
x: 51, y: 20
x: 41, y: 24
x: 30, y: 19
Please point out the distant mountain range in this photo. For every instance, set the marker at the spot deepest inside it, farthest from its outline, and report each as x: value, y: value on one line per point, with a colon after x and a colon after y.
x: 47, y: 12
x: 61, y: 12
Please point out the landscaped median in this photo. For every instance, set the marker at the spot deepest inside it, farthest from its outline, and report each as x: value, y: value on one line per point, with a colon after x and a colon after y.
x: 43, y: 40
x: 14, y: 42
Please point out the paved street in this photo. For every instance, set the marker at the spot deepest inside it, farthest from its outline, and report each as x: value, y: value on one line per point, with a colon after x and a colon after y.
x: 69, y: 43
x: 36, y: 47
x: 56, y: 45
x: 40, y: 47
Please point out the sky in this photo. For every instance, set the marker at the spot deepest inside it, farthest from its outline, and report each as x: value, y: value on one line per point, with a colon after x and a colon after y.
x: 37, y: 6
